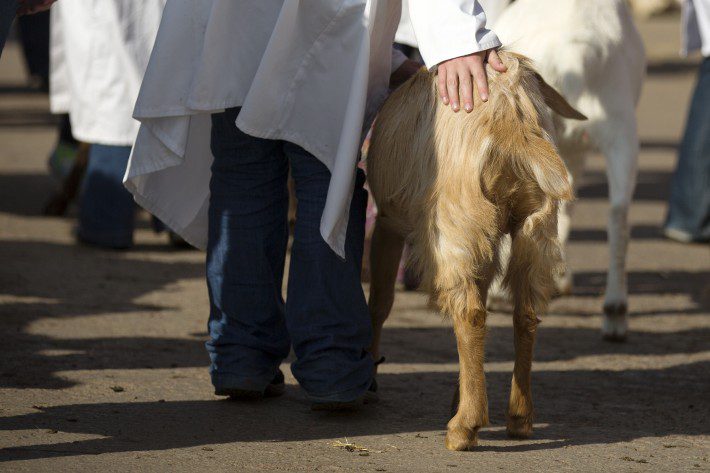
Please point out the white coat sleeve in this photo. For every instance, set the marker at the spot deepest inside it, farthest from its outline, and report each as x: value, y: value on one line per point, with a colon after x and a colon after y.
x: 446, y: 29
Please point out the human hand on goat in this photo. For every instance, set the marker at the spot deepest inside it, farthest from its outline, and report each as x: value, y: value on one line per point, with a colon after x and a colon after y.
x: 28, y: 7
x: 457, y: 75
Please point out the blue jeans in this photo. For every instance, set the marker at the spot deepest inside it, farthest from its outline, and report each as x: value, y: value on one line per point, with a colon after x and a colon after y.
x: 106, y: 209
x: 325, y: 317
x: 689, y: 203
x: 7, y: 14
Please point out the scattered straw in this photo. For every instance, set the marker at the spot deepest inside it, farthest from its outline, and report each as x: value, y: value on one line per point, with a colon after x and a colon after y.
x: 349, y: 446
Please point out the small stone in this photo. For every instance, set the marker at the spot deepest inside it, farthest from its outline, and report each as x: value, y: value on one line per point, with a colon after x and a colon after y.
x: 208, y: 449
x: 117, y: 389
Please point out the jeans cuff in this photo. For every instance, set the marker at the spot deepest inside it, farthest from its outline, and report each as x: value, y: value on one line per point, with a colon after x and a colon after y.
x: 223, y: 381
x: 343, y: 396
x: 105, y: 239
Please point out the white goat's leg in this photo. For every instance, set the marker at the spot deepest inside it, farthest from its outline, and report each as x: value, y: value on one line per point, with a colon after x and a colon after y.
x: 497, y: 293
x: 574, y: 156
x: 564, y: 280
x: 621, y: 152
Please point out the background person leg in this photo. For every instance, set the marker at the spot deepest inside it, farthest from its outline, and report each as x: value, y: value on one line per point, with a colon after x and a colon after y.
x: 106, y: 209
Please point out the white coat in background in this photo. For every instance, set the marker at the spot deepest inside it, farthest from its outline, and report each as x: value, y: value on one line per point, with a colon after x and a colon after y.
x: 696, y: 27
x: 591, y: 51
x: 99, y: 52
x: 308, y: 72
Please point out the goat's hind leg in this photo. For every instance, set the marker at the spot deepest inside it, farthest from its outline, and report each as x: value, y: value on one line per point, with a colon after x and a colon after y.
x: 520, y: 405
x: 535, y: 253
x: 385, y: 253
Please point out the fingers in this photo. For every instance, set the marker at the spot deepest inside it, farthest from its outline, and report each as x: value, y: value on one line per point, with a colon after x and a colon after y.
x: 452, y: 88
x: 495, y: 62
x: 466, y: 88
x: 441, y: 83
x: 457, y: 76
x: 479, y: 75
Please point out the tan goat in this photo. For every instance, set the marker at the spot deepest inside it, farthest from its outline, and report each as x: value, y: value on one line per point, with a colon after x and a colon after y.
x: 452, y: 184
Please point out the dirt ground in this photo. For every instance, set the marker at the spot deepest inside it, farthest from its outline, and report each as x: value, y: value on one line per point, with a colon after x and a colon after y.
x: 103, y: 365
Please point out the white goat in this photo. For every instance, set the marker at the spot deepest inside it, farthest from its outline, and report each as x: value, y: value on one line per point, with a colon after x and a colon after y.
x: 647, y: 8
x: 591, y: 51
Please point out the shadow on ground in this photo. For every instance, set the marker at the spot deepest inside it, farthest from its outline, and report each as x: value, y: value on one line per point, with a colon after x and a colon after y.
x: 74, y: 281
x: 624, y: 407
x: 77, y: 281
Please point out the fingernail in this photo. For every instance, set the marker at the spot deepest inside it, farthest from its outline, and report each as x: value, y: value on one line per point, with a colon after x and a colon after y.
x: 455, y: 106
x: 468, y: 107
x: 446, y: 100
x: 484, y: 97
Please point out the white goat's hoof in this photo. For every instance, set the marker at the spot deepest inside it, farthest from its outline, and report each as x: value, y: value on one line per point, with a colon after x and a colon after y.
x: 616, y: 321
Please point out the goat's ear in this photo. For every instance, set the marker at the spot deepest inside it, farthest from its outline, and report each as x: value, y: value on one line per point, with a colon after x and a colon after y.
x: 556, y: 101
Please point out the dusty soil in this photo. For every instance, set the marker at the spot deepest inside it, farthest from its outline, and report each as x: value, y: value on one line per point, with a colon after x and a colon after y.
x: 103, y: 365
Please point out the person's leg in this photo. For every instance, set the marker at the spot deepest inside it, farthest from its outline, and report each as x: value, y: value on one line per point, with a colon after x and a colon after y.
x: 246, y: 249
x: 326, y: 311
x: 34, y: 35
x: 106, y: 210
x: 689, y: 203
x: 7, y: 14
x: 61, y: 161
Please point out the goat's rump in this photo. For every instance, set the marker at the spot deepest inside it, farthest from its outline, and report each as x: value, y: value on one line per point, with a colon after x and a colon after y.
x: 421, y: 149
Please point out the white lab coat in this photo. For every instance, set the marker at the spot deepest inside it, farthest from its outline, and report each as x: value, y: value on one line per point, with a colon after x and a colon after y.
x: 99, y: 52
x: 308, y: 72
x: 405, y: 30
x: 696, y: 27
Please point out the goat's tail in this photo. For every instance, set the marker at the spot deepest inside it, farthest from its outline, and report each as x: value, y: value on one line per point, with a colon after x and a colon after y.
x: 540, y: 161
x: 519, y: 109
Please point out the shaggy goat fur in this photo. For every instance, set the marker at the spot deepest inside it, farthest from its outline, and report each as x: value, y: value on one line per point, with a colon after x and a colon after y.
x: 452, y: 184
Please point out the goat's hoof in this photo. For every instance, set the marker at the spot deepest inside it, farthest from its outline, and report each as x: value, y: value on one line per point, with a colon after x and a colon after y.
x: 616, y: 321
x: 519, y: 427
x: 616, y: 309
x: 460, y: 439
